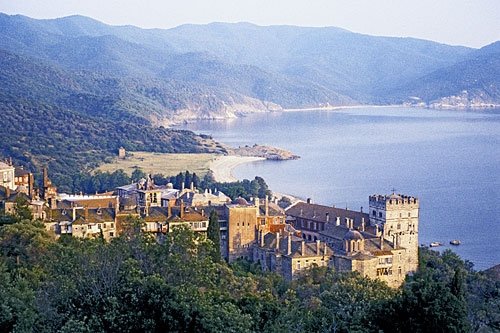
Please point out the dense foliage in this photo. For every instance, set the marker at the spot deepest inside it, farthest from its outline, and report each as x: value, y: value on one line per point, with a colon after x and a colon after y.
x: 134, y: 284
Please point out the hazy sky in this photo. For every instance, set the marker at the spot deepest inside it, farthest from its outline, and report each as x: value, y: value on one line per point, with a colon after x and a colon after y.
x: 459, y: 22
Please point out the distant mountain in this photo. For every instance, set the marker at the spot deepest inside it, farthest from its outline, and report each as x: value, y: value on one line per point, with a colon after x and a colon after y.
x: 286, y: 65
x: 473, y: 82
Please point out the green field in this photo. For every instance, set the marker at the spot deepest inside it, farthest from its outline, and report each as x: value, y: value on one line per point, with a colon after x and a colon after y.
x: 161, y: 163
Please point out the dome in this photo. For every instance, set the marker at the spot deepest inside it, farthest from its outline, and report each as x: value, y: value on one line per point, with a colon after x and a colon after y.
x: 353, y: 235
x: 241, y: 201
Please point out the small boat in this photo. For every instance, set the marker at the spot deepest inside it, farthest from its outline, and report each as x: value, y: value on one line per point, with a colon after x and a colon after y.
x: 455, y: 242
x: 435, y: 244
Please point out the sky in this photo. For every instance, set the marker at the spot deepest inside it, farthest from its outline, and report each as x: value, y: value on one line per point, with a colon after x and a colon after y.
x: 473, y: 23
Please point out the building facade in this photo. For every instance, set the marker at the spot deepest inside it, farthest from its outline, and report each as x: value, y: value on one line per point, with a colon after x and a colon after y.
x: 381, y: 244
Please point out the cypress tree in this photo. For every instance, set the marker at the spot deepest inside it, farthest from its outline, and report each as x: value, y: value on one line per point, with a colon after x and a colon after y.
x: 213, y: 233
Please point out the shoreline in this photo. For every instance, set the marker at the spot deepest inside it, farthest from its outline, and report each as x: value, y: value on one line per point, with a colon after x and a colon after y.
x: 341, y: 107
x: 222, y: 166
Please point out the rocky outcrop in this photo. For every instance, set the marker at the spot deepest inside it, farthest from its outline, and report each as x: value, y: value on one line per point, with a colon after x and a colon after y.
x: 267, y: 152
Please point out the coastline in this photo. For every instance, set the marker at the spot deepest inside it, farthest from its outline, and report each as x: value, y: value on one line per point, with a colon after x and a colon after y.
x: 341, y: 107
x: 222, y: 166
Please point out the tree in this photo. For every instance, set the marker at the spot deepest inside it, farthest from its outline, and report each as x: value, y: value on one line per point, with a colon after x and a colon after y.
x: 213, y: 233
x: 22, y: 210
x: 137, y: 175
x: 187, y: 179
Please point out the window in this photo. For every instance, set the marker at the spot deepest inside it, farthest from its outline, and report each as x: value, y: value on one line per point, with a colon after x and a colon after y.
x: 89, y: 227
x: 409, y: 214
x: 298, y: 265
x: 111, y: 234
x: 379, y: 214
x: 374, y: 213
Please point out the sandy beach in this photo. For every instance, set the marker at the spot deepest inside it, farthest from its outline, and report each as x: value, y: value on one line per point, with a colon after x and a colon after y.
x: 222, y: 166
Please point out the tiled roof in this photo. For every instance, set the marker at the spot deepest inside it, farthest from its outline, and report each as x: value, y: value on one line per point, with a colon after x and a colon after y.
x: 4, y: 166
x: 319, y: 213
x: 18, y: 172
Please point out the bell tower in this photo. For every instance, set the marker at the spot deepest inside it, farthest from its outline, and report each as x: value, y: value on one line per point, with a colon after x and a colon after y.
x: 397, y: 216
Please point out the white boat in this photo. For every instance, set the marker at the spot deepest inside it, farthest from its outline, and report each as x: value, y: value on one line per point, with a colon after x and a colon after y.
x: 435, y: 244
x: 455, y: 242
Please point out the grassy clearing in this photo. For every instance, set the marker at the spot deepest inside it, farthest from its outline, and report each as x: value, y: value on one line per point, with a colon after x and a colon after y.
x: 166, y: 164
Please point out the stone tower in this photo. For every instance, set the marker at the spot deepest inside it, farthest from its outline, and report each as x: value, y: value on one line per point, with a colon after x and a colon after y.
x: 397, y: 217
x: 121, y: 153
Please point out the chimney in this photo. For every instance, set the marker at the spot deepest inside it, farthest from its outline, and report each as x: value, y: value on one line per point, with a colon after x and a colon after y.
x: 362, y: 224
x: 169, y: 210
x: 117, y: 204
x: 256, y: 202
x: 381, y: 243
x: 31, y: 184
x: 86, y: 214
x: 309, y: 201
x: 347, y: 223
x: 289, y: 248
x: 202, y: 212
x: 277, y: 241
x: 192, y: 186
x: 45, y: 177
x: 318, y: 244
x: 337, y: 221
x: 74, y: 213
x: 327, y: 217
x: 303, y: 248
x: 181, y: 215
x: 267, y: 205
x: 182, y: 186
x: 325, y: 250
x: 361, y: 209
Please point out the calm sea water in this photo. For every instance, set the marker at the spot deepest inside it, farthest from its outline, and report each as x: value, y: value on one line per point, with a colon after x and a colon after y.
x: 449, y: 159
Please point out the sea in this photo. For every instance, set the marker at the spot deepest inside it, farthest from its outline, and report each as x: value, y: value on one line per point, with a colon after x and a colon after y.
x: 449, y: 159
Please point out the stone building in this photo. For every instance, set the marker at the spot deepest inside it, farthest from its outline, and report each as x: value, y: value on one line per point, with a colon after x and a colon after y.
x: 7, y: 174
x: 82, y: 222
x: 288, y: 254
x: 121, y: 153
x: 24, y: 181
x: 397, y: 216
x: 244, y: 223
x: 382, y: 244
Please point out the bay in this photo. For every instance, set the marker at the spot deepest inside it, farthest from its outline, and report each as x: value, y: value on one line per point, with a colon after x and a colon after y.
x: 450, y: 159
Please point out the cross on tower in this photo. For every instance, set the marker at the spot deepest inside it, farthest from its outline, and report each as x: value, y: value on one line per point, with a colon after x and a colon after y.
x: 393, y: 190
